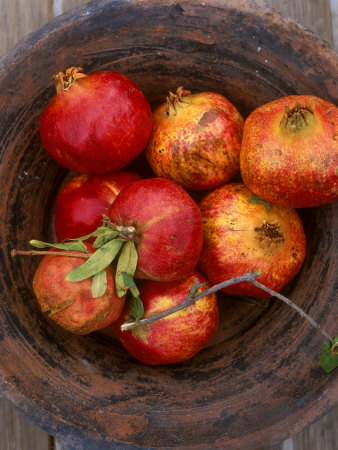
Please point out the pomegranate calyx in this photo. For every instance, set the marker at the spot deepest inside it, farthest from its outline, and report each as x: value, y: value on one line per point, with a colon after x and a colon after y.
x: 174, y: 99
x: 295, y: 118
x: 64, y: 81
x: 270, y: 233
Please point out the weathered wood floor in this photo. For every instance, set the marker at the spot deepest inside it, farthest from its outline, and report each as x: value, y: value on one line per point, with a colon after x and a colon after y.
x: 20, y: 17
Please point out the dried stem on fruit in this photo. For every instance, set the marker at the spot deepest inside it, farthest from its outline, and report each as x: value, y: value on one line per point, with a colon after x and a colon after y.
x: 46, y: 252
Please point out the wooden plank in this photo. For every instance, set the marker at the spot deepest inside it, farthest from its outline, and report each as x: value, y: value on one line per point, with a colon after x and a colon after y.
x: 314, y: 14
x: 334, y: 21
x: 20, y: 17
x: 18, y: 433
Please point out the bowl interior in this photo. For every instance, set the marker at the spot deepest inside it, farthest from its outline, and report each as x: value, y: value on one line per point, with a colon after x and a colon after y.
x: 257, y: 381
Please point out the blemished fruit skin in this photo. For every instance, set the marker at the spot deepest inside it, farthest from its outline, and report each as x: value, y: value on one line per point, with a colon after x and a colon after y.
x: 289, y: 163
x: 240, y: 236
x: 168, y: 223
x: 98, y: 125
x: 197, y: 145
x: 174, y: 338
x: 79, y: 312
x: 84, y: 199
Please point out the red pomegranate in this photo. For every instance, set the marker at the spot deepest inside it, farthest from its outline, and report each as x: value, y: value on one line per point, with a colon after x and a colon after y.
x: 174, y: 338
x: 165, y: 224
x: 84, y: 199
x: 96, y: 123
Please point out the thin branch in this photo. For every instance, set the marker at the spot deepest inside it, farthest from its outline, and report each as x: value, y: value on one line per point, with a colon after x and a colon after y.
x: 46, y: 252
x: 190, y: 299
x: 295, y: 307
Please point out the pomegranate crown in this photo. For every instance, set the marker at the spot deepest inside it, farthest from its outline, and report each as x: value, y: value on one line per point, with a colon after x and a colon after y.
x: 64, y: 81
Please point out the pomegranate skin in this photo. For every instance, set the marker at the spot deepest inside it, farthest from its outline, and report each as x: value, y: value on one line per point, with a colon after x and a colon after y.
x: 240, y: 236
x: 197, y: 146
x: 84, y: 314
x: 174, y: 338
x: 98, y: 125
x: 294, y: 167
x: 168, y: 225
x: 84, y: 199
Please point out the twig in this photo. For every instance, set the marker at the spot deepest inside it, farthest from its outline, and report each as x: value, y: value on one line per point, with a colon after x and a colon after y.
x: 46, y: 252
x: 190, y: 299
x: 295, y: 307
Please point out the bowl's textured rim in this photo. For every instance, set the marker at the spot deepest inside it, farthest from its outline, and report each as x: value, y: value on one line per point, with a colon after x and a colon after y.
x: 35, y: 412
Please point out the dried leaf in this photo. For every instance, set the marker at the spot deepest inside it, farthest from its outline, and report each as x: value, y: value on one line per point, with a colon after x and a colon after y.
x: 99, y: 284
x: 76, y: 245
x: 256, y: 199
x: 98, y: 261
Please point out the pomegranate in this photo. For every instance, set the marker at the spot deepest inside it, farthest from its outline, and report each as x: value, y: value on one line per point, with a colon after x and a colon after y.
x: 96, y: 123
x: 174, y: 338
x: 289, y: 153
x: 71, y: 304
x: 240, y: 235
x: 166, y: 225
x: 196, y: 140
x: 84, y: 199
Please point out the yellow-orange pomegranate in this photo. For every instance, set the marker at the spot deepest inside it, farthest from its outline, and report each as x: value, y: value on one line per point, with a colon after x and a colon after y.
x: 289, y: 152
x: 195, y: 140
x: 240, y: 236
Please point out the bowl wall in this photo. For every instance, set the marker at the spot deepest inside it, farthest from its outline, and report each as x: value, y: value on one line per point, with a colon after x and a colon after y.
x: 257, y: 382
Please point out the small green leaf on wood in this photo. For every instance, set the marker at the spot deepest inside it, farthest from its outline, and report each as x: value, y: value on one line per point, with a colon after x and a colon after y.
x: 99, y: 284
x: 126, y: 267
x: 256, y: 199
x: 98, y: 261
x: 329, y: 359
x: 76, y: 245
x: 136, y: 307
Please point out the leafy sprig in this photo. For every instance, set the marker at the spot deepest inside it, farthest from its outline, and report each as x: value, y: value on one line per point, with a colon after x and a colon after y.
x: 110, y: 245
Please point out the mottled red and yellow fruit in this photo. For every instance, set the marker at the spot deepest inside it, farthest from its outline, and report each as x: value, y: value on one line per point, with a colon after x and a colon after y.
x: 196, y: 140
x: 174, y: 338
x: 240, y: 236
x: 70, y: 304
x: 289, y: 152
x: 84, y: 199
x: 165, y: 224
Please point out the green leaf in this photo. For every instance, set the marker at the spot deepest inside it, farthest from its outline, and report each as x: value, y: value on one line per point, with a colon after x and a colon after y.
x: 99, y: 231
x: 125, y: 270
x: 329, y: 359
x: 104, y: 235
x: 98, y: 261
x: 76, y: 246
x: 256, y: 199
x: 99, y: 284
x: 136, y: 307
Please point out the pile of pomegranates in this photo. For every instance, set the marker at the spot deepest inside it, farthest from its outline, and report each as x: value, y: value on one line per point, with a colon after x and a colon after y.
x: 130, y: 247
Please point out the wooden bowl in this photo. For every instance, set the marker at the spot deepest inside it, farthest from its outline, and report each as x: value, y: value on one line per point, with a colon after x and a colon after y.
x: 257, y: 382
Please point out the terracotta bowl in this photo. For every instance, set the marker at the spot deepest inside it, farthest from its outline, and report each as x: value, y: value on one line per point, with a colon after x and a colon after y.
x: 257, y: 382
